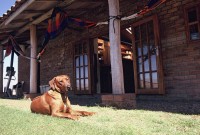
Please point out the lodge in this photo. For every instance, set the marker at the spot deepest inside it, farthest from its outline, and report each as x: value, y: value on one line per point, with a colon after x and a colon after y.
x: 120, y: 50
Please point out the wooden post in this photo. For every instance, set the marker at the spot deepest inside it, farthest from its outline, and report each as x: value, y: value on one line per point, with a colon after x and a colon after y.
x: 1, y: 69
x: 115, y: 49
x: 33, y: 66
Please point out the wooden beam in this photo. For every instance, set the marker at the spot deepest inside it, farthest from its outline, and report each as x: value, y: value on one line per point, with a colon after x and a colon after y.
x: 102, y: 1
x: 115, y: 49
x: 8, y: 30
x: 33, y: 62
x: 34, y: 11
x: 79, y: 9
x: 36, y: 21
x: 20, y: 20
x: 1, y: 69
x: 47, y: 0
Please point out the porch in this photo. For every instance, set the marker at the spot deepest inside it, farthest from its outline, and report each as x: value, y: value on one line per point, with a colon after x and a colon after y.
x: 150, y: 40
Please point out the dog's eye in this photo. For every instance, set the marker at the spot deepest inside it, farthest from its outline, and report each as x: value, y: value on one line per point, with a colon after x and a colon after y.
x: 61, y: 81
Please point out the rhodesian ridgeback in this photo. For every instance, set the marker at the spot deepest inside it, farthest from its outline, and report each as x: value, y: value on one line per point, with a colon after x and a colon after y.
x: 55, y: 102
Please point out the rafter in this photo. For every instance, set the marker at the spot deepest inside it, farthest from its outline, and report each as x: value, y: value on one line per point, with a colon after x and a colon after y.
x: 102, y: 1
x: 33, y: 11
x: 20, y: 20
x: 47, y: 0
x: 79, y: 9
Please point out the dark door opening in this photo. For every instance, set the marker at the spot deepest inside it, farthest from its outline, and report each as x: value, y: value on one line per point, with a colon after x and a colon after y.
x: 105, y: 67
x: 128, y: 76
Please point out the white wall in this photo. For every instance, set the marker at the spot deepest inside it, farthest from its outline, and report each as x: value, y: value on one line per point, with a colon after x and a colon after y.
x: 15, y: 65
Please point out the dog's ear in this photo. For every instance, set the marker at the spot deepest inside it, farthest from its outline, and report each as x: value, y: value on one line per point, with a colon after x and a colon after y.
x: 52, y: 83
x: 57, y: 83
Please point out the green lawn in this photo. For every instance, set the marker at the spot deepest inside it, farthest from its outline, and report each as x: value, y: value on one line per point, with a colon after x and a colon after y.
x: 16, y: 119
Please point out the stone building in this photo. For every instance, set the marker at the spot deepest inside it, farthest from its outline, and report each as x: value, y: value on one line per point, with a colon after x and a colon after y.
x: 160, y: 49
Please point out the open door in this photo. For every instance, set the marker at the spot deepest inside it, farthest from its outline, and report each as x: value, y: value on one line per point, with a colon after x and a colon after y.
x: 148, y: 71
x: 105, y: 66
x: 82, y: 67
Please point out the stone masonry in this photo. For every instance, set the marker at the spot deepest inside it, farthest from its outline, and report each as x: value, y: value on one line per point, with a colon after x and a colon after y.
x: 180, y: 59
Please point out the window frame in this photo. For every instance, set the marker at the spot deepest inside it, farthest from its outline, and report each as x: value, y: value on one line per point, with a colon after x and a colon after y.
x: 88, y: 54
x: 160, y: 89
x: 187, y: 8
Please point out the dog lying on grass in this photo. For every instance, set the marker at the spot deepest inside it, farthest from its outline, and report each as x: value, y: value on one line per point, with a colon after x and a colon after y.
x: 55, y: 102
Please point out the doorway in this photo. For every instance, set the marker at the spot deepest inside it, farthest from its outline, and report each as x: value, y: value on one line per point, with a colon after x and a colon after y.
x: 105, y: 66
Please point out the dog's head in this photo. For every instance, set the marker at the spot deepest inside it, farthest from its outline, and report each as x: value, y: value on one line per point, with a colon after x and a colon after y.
x: 60, y: 83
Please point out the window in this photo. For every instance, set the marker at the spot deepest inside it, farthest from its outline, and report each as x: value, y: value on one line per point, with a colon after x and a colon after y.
x: 82, y: 84
x: 147, y: 61
x: 192, y: 15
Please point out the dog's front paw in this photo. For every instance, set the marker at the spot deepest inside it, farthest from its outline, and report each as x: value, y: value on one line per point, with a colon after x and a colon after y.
x: 75, y: 117
x: 89, y: 113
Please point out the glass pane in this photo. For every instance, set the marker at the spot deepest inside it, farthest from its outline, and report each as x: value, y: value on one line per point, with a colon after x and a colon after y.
x: 82, y: 84
x: 86, y: 72
x: 86, y: 84
x: 155, y: 80
x: 146, y: 57
x: 146, y: 65
x: 150, y: 30
x: 84, y: 47
x: 77, y: 61
x: 77, y: 85
x: 141, y: 85
x: 137, y: 33
x: 140, y: 64
x: 152, y: 46
x: 145, y: 48
x: 147, y: 81
x: 82, y: 72
x: 192, y: 15
x: 77, y: 72
x: 153, y: 62
x: 194, y: 32
x: 151, y: 42
x: 85, y: 59
x: 143, y: 32
x: 139, y: 50
x: 81, y: 60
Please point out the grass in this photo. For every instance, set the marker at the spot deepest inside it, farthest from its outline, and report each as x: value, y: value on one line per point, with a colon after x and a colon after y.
x: 16, y: 118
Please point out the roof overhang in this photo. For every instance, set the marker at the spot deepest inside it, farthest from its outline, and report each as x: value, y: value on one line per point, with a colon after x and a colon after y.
x: 24, y: 13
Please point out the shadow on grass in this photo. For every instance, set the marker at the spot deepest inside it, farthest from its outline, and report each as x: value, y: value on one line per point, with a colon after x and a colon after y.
x: 179, y: 106
x: 150, y: 103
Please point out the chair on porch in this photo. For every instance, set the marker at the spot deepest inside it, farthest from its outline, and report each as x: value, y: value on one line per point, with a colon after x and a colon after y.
x: 17, y: 89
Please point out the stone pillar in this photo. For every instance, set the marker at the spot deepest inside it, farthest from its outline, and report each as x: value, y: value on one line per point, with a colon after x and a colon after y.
x: 33, y: 63
x: 115, y: 48
x: 1, y: 69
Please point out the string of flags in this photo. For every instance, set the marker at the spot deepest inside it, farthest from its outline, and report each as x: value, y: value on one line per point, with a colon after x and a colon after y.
x: 152, y: 4
x: 59, y: 20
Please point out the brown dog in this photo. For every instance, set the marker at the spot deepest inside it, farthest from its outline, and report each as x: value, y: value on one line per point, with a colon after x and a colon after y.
x: 55, y: 101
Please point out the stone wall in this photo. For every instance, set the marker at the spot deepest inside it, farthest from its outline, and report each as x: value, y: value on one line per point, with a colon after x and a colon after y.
x: 180, y: 59
x: 24, y: 71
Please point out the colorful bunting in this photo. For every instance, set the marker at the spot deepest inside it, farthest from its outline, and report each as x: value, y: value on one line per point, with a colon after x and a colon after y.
x: 57, y: 23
